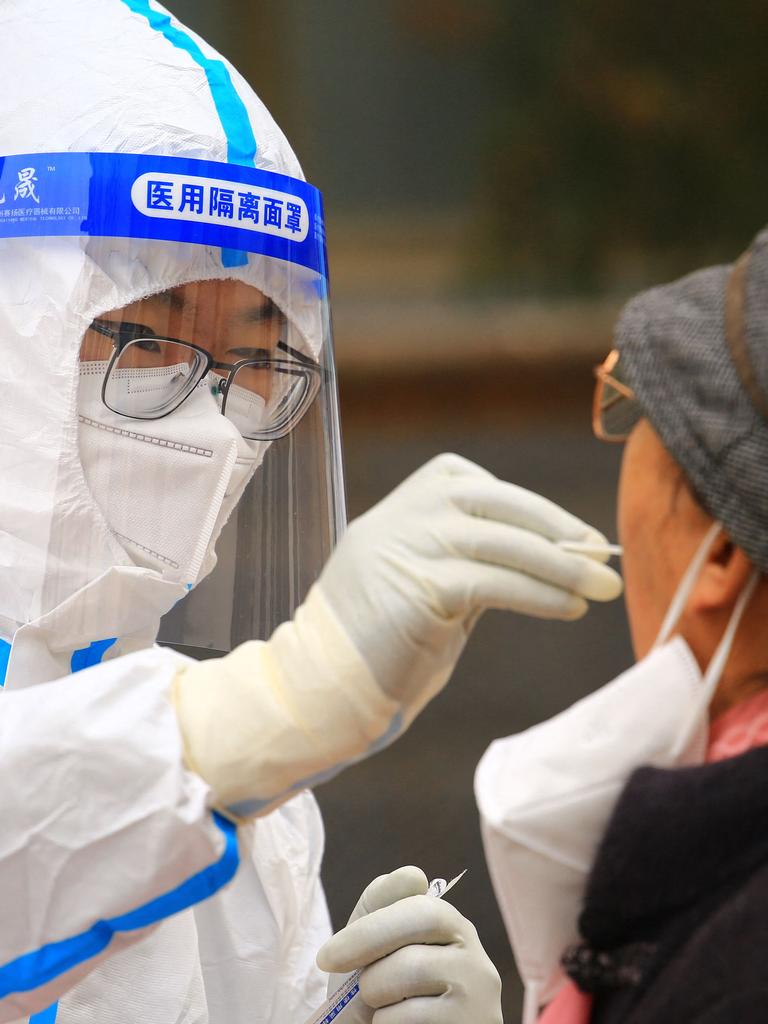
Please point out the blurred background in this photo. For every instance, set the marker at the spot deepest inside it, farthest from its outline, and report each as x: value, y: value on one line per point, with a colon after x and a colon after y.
x: 498, y: 177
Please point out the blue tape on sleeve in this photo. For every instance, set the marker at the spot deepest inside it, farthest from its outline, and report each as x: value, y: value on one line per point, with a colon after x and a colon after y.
x: 5, y: 654
x: 91, y: 655
x: 32, y: 970
x: 46, y: 1016
x: 125, y: 195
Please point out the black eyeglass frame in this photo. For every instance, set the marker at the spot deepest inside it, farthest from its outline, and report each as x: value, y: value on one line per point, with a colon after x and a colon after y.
x: 124, y: 334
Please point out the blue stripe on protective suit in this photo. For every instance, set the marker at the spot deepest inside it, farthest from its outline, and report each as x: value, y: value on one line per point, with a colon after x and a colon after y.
x: 84, y: 658
x: 91, y: 655
x: 34, y: 969
x: 31, y: 970
x: 45, y: 1016
x: 5, y: 653
x: 241, y: 142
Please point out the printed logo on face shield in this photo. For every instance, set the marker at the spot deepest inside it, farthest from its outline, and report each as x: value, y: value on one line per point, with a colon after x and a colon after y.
x: 25, y: 188
x: 126, y: 195
x: 227, y: 203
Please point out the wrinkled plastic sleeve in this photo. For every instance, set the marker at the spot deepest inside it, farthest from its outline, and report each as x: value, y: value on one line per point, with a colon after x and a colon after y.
x: 105, y: 832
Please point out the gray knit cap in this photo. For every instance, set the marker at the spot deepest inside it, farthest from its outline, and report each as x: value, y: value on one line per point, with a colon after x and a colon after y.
x: 695, y: 353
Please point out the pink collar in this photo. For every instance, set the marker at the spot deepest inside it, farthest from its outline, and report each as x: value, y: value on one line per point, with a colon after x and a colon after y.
x: 741, y: 728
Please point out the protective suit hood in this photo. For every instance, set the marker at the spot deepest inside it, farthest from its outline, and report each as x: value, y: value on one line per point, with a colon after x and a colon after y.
x: 110, y: 77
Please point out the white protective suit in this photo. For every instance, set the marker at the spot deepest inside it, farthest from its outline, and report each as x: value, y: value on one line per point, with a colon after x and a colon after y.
x: 105, y: 833
x: 112, y: 857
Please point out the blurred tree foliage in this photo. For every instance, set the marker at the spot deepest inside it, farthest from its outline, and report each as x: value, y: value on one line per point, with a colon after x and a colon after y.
x: 628, y: 142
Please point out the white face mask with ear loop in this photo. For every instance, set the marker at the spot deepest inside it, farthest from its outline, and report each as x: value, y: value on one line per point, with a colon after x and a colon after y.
x: 166, y: 487
x: 545, y: 795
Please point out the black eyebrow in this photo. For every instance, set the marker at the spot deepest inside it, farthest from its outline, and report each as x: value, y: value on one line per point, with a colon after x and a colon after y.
x: 259, y: 314
x: 170, y: 298
x: 268, y: 310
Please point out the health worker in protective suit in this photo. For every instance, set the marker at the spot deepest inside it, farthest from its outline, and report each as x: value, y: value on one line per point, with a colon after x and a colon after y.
x: 626, y: 836
x: 170, y: 452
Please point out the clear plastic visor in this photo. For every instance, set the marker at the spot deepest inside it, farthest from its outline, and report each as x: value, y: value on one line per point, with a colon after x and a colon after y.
x: 229, y: 478
x: 170, y: 439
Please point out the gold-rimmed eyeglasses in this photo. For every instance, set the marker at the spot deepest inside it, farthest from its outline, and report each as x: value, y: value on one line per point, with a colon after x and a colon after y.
x: 615, y: 409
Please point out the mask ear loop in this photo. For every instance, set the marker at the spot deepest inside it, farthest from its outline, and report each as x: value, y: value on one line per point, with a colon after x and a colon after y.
x: 693, y: 741
x: 686, y: 586
x: 531, y: 1003
x: 720, y: 657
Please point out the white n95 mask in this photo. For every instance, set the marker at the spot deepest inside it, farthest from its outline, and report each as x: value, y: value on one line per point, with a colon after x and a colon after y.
x: 165, y: 487
x: 545, y: 795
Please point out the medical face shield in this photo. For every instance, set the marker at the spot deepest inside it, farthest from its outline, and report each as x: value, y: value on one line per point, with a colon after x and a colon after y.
x: 171, y: 401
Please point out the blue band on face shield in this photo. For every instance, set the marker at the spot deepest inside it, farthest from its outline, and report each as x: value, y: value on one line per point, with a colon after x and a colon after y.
x: 202, y: 202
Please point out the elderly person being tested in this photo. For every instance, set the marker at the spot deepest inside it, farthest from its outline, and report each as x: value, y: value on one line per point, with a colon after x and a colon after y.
x: 627, y: 837
x: 170, y: 456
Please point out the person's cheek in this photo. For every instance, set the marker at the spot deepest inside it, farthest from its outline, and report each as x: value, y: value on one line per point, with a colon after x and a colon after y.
x: 634, y: 530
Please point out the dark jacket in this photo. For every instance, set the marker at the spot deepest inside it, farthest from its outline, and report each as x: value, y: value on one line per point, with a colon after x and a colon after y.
x: 675, y: 921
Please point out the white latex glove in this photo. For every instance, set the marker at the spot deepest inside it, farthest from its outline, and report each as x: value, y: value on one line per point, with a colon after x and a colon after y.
x: 421, y: 961
x: 411, y: 577
x: 379, y: 634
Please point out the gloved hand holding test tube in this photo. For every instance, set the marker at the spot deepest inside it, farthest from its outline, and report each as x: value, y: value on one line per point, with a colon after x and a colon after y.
x: 409, y: 949
x: 350, y: 988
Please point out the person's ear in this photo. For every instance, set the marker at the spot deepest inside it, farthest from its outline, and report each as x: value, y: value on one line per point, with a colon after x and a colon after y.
x: 724, y: 576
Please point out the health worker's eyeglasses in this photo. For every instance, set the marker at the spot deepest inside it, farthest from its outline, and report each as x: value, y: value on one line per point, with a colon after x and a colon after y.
x: 615, y: 410
x: 148, y: 377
